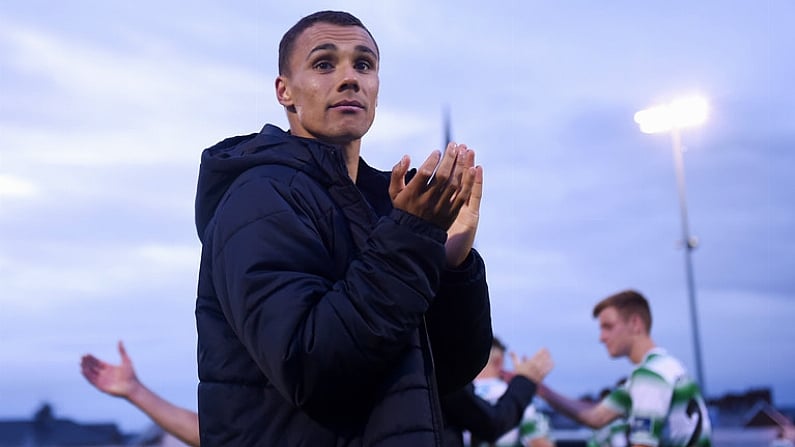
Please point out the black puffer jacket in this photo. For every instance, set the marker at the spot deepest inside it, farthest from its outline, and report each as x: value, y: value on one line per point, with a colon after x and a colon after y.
x: 318, y: 303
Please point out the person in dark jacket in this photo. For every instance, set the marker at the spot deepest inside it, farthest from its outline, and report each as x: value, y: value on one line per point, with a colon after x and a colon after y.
x: 487, y: 421
x: 336, y: 302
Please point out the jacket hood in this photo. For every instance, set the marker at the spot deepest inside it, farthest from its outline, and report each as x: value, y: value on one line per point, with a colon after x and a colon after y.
x: 223, y: 163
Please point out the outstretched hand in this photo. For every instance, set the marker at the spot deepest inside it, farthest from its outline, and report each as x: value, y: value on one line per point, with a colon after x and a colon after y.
x: 535, y: 368
x: 116, y: 380
x: 446, y: 191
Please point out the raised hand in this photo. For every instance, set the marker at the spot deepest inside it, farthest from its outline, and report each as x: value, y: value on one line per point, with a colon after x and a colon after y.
x: 441, y: 187
x: 116, y: 380
x: 535, y: 368
x: 121, y: 381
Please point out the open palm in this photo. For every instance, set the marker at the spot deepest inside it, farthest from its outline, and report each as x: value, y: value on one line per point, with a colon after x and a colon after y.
x: 116, y: 380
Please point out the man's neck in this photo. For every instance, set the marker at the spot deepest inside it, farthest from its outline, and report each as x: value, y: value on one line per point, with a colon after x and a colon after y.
x: 350, y: 153
x: 640, y: 348
x: 489, y: 372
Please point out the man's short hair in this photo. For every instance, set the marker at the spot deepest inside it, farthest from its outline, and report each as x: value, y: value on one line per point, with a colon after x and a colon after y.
x: 627, y: 303
x: 496, y: 343
x: 332, y: 17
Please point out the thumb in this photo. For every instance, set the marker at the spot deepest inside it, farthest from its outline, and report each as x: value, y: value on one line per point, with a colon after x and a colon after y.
x: 123, y: 353
x: 398, y: 179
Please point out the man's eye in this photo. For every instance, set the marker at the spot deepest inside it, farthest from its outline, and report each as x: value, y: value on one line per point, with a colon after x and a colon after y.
x: 323, y: 65
x: 363, y: 65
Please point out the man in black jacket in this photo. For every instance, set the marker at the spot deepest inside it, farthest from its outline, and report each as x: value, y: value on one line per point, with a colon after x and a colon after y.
x: 336, y: 302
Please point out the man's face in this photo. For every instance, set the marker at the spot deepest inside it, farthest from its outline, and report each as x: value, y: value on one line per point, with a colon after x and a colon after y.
x: 616, y: 332
x: 495, y: 364
x: 332, y: 88
x: 497, y: 359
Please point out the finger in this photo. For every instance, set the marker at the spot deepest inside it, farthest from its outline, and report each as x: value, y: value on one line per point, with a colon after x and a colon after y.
x: 472, y: 189
x: 445, y: 172
x: 544, y: 352
x: 477, y: 190
x: 460, y: 197
x: 90, y: 361
x: 454, y: 190
x: 548, y: 362
x: 547, y: 366
x: 84, y: 365
x: 426, y: 170
x: 90, y: 375
x: 398, y: 179
x: 465, y: 160
x: 514, y: 359
x: 89, y: 370
x: 466, y: 157
x: 123, y: 352
x: 464, y: 164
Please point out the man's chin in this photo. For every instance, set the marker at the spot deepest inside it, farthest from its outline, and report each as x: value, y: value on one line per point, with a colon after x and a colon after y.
x: 344, y: 136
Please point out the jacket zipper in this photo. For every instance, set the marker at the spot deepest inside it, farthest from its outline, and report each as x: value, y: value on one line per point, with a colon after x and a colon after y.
x: 436, y: 408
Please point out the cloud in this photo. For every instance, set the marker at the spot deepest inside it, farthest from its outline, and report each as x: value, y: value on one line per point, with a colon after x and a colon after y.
x: 114, y: 126
x: 16, y: 187
x: 168, y: 258
x: 393, y: 125
x: 52, y: 274
x: 105, y: 106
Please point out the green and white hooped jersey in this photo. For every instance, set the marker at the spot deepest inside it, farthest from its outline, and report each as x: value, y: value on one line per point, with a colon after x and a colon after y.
x: 535, y: 424
x: 613, y: 434
x: 663, y: 406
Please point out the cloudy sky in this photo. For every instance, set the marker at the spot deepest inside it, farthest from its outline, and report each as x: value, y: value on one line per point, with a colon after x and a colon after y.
x: 106, y: 106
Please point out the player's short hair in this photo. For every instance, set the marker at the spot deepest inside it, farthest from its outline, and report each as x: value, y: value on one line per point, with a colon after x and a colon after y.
x: 496, y: 343
x: 627, y: 303
x: 287, y: 43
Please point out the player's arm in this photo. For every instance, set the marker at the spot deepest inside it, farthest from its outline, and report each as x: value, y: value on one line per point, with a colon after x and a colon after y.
x: 594, y: 415
x: 180, y: 422
x: 121, y: 381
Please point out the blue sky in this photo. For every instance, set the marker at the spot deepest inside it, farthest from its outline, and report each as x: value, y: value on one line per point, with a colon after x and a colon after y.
x: 106, y: 106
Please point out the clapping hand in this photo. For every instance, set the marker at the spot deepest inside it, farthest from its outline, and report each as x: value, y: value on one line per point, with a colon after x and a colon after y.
x: 446, y: 191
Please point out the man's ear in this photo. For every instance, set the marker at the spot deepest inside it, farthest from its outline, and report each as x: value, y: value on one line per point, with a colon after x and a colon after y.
x: 283, y: 93
x: 636, y: 322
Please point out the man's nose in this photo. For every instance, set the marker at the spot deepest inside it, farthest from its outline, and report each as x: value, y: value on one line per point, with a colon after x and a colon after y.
x: 350, y: 80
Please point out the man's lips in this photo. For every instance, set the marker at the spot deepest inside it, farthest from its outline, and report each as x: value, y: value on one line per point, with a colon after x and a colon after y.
x: 347, y: 105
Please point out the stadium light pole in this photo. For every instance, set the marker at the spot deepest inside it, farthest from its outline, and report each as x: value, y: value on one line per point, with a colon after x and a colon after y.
x: 672, y: 117
x: 448, y: 129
